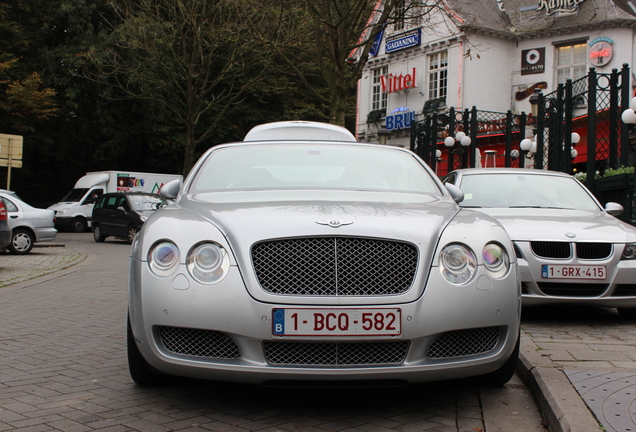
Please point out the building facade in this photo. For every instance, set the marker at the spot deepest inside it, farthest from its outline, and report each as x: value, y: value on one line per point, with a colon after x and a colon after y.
x: 491, y: 54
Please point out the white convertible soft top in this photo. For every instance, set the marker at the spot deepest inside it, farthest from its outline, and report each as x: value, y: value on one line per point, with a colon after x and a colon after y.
x: 298, y: 130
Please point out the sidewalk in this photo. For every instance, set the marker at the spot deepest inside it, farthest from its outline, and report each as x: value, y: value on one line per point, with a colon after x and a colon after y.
x: 581, y: 375
x: 44, y: 258
x: 578, y: 371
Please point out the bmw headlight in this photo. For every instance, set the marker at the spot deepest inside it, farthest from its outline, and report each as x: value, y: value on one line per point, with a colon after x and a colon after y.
x: 163, y: 258
x: 457, y: 264
x: 629, y: 252
x: 208, y: 263
x: 495, y: 259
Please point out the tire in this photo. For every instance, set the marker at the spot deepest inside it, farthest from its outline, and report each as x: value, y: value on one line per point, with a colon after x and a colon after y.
x: 132, y: 232
x: 21, y: 242
x: 78, y: 224
x: 502, y: 375
x: 627, y: 314
x: 140, y: 370
x: 97, y: 234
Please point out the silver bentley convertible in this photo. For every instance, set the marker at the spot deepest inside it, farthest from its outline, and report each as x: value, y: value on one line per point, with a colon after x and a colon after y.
x: 570, y: 250
x: 300, y: 255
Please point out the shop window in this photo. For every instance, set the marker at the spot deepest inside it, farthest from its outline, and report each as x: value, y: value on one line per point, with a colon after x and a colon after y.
x: 379, y: 99
x: 571, y: 62
x: 438, y: 75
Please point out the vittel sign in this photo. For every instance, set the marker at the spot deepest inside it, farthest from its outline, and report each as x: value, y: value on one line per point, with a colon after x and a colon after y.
x: 394, y: 83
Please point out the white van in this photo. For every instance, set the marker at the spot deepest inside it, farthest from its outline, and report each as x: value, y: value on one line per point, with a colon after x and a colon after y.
x: 74, y: 211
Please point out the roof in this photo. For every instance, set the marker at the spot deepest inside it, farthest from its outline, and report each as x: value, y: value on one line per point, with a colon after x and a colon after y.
x: 519, y: 19
x: 298, y: 130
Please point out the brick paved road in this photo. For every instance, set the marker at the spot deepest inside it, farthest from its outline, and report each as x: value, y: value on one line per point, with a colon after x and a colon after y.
x: 63, y: 368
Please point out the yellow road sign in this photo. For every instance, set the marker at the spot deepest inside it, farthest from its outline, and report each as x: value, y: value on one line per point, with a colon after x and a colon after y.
x: 11, y: 146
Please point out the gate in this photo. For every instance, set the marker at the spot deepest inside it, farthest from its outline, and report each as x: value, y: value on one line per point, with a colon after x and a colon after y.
x: 598, y: 98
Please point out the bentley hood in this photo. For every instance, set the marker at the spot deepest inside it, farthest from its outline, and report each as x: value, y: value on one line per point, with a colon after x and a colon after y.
x: 248, y: 217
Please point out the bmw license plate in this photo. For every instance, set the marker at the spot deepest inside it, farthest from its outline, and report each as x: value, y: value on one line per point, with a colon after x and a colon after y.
x: 573, y: 272
x: 337, y: 322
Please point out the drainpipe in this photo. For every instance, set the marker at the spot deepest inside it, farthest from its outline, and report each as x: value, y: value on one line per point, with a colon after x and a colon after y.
x: 460, y: 75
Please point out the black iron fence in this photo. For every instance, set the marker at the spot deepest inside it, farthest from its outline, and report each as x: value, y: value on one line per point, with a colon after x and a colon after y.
x: 590, y: 106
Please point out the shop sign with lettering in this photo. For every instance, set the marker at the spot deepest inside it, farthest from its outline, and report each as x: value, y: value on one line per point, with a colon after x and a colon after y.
x: 601, y: 51
x: 563, y: 6
x: 403, y: 40
x: 401, y: 120
x: 392, y: 83
x: 532, y: 61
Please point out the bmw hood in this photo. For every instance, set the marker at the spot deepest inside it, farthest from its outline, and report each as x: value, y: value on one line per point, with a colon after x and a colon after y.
x: 526, y: 224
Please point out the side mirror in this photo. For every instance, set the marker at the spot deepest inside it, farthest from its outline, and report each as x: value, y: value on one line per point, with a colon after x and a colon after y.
x: 455, y: 192
x: 170, y: 190
x: 614, y: 208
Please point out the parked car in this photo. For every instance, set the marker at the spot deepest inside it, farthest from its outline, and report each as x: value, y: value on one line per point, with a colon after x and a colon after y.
x: 320, y: 260
x: 5, y: 231
x: 570, y: 249
x: 28, y: 224
x: 121, y: 214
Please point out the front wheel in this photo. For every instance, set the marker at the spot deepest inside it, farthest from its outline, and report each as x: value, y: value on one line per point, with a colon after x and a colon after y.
x: 21, y: 242
x: 132, y: 232
x: 140, y: 370
x: 97, y: 234
x: 505, y: 373
x: 78, y: 224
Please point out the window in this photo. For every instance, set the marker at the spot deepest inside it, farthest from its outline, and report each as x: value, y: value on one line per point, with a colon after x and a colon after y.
x: 379, y: 100
x: 571, y: 62
x: 400, y: 15
x: 438, y: 75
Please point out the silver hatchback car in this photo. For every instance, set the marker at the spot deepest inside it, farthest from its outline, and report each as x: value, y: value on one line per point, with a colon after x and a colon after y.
x: 28, y: 224
x: 317, y: 260
x: 570, y: 249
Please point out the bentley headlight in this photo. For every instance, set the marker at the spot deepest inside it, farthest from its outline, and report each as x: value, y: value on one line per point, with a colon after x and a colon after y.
x: 495, y: 259
x: 457, y: 264
x: 208, y: 263
x: 629, y: 252
x: 163, y: 258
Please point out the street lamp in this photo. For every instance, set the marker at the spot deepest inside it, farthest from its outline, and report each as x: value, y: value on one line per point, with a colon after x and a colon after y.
x: 464, y: 141
x: 526, y: 146
x: 629, y: 115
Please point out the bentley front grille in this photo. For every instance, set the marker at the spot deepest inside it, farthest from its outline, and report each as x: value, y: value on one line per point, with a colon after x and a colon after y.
x: 461, y: 343
x: 198, y: 343
x: 332, y: 354
x: 335, y: 266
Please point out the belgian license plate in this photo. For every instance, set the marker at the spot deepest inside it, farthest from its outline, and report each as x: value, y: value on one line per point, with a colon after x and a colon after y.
x: 573, y: 272
x: 337, y: 322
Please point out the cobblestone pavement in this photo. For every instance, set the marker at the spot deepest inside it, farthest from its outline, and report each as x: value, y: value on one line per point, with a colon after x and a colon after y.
x: 591, y: 350
x: 63, y: 368
x: 44, y: 259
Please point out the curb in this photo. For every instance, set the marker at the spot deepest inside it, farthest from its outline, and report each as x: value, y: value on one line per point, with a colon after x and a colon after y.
x: 559, y: 403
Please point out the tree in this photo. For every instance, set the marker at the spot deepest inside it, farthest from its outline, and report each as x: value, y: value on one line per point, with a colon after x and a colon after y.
x: 338, y: 36
x: 194, y: 58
